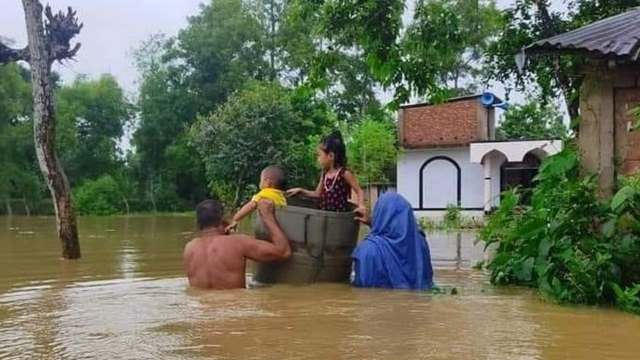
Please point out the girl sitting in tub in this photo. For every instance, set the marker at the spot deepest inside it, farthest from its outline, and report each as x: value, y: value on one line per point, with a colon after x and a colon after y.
x: 336, y: 181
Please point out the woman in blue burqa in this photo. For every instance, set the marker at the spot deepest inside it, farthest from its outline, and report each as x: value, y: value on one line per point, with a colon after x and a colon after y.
x: 395, y: 254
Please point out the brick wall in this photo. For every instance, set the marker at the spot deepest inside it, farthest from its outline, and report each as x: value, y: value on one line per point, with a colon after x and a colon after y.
x: 625, y: 100
x: 453, y: 123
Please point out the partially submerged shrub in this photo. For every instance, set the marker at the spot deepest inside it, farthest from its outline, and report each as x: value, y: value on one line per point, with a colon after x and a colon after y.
x: 98, y: 197
x: 453, y: 220
x: 571, y: 246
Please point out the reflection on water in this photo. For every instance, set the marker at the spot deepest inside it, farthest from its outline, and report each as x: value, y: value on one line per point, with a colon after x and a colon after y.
x: 127, y: 298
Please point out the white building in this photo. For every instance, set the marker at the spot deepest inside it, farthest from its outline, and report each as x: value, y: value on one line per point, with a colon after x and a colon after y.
x: 450, y: 157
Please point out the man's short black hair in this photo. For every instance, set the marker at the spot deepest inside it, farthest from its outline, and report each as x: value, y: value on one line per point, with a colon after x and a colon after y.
x: 276, y: 175
x: 209, y: 214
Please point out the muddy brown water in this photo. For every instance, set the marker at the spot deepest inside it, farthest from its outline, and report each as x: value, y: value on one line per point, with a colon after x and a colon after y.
x: 128, y: 299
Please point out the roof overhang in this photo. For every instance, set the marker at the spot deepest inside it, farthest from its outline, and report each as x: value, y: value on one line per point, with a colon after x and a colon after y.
x: 513, y: 151
x: 614, y: 38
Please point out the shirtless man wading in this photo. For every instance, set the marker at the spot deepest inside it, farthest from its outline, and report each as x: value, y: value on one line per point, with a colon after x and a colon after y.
x: 215, y: 260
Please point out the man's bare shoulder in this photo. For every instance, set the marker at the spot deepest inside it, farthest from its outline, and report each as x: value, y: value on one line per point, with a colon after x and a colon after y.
x: 220, y: 239
x: 239, y: 241
x: 190, y: 246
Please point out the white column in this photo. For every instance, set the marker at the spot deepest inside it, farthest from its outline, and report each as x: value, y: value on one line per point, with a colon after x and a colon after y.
x: 487, y: 183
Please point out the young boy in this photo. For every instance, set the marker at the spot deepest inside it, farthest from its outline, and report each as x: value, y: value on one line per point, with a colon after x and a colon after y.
x: 272, y: 183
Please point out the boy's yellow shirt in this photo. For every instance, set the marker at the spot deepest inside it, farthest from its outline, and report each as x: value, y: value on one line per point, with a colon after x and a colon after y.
x: 275, y: 195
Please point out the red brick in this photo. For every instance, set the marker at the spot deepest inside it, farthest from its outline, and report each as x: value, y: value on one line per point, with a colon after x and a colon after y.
x: 453, y: 123
x: 625, y: 100
x: 633, y: 146
x: 631, y: 167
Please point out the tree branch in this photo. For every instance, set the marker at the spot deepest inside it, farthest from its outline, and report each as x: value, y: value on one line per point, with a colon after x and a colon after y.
x: 60, y: 28
x: 8, y: 54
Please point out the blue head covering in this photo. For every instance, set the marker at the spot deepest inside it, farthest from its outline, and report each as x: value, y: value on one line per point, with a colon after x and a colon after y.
x: 395, y: 254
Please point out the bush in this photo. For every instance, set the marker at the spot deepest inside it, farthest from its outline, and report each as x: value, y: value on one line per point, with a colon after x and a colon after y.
x: 568, y: 244
x: 372, y: 150
x: 98, y: 197
x: 264, y: 124
x: 453, y: 220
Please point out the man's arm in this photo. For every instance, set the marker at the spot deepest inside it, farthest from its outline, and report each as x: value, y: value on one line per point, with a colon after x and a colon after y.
x: 278, y: 248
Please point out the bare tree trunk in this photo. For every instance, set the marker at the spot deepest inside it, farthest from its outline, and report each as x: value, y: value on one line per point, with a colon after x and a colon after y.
x: 44, y: 129
x: 152, y: 195
x: 126, y: 205
x: 7, y: 204
x: 27, y: 209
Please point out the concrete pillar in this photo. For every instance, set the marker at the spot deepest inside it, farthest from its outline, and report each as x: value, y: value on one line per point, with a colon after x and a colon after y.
x: 597, y: 128
x: 486, y: 164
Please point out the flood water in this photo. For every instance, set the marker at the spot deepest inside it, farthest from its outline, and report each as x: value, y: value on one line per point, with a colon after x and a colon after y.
x: 128, y: 299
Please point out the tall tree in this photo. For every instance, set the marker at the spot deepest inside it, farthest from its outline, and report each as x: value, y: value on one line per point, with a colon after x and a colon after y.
x: 444, y: 45
x: 531, y: 121
x: 49, y: 42
x: 92, y: 115
x: 167, y: 108
x: 437, y: 52
x: 15, y: 104
x: 221, y: 48
x: 264, y: 124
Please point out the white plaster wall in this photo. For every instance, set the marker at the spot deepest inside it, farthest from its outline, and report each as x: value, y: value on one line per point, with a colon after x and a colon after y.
x: 496, y: 162
x: 440, y: 179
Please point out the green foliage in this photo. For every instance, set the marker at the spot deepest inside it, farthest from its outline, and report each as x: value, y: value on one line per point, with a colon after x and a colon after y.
x: 259, y: 126
x: 338, y: 73
x: 443, y: 45
x: 628, y: 298
x: 453, y: 216
x: 99, y: 197
x: 226, y: 46
x: 19, y: 175
x: 571, y: 246
x: 92, y: 115
x: 434, y: 56
x: 372, y: 150
x: 453, y: 220
x: 531, y: 121
x: 528, y: 21
x: 15, y: 94
x: 221, y: 48
x: 371, y: 25
x: 165, y: 168
x: 636, y: 114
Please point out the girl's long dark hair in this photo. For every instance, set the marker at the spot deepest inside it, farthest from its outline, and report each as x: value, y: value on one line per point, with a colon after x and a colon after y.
x: 333, y: 143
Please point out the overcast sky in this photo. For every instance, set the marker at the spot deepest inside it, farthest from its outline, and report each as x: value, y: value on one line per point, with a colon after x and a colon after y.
x: 112, y: 29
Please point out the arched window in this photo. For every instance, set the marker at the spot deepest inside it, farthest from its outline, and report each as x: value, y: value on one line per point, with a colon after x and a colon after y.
x: 440, y: 183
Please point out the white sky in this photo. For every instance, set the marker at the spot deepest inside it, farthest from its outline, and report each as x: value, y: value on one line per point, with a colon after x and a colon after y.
x: 113, y: 28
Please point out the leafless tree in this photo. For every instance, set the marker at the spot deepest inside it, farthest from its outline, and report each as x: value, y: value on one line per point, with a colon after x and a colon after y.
x: 49, y: 41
